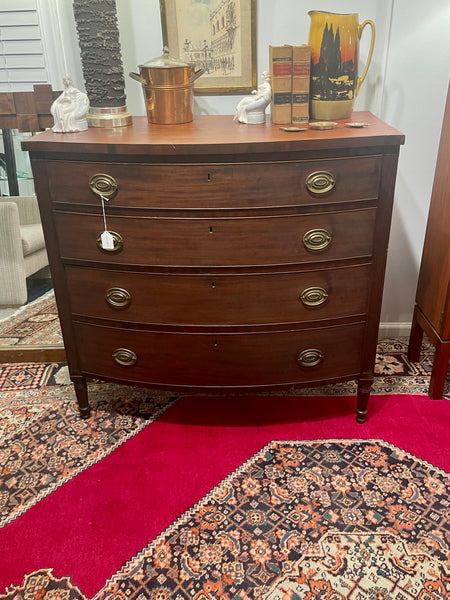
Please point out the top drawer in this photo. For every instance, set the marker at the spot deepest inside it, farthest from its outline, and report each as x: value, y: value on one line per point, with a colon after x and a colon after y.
x: 242, y: 185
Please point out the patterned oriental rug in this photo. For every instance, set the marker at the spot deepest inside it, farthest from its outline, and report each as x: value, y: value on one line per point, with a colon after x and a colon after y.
x: 33, y: 324
x: 278, y: 497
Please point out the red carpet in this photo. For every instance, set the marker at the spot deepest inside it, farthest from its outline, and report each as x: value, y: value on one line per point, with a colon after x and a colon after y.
x: 91, y: 526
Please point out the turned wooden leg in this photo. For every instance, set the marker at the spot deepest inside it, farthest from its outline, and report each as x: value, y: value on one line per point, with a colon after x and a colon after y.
x: 439, y: 372
x: 364, y: 389
x: 80, y: 385
x: 415, y: 339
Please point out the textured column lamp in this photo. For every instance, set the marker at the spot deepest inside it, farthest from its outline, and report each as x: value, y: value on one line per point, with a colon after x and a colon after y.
x: 98, y: 36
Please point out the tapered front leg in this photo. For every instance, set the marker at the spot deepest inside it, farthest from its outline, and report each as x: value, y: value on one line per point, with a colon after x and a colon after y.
x: 81, y: 391
x: 364, y: 389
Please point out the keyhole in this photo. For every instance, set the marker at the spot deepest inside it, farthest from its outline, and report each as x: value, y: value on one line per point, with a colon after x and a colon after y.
x: 210, y: 230
x: 213, y: 284
x: 215, y: 344
x: 208, y: 177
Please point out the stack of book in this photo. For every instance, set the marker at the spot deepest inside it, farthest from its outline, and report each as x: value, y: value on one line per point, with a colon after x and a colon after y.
x: 290, y: 68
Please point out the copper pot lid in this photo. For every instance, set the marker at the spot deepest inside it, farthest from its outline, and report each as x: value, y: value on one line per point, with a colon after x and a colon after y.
x: 165, y: 61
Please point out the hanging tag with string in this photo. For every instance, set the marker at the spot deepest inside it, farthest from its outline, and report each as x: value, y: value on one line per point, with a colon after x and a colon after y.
x: 106, y: 238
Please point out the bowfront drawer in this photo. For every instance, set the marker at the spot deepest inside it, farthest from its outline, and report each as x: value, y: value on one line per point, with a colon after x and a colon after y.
x: 250, y: 299
x: 229, y: 185
x: 220, y: 360
x: 218, y: 242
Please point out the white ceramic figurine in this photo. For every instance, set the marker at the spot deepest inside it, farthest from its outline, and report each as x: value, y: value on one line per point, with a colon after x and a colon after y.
x: 69, y: 110
x: 251, y: 109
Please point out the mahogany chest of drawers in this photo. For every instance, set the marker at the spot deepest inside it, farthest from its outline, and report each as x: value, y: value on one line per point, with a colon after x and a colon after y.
x: 241, y: 258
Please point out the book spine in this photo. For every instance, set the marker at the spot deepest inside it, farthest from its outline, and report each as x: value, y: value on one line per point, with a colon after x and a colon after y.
x: 280, y: 60
x: 301, y: 71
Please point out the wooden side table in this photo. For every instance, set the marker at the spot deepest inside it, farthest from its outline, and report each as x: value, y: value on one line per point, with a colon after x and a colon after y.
x: 432, y: 310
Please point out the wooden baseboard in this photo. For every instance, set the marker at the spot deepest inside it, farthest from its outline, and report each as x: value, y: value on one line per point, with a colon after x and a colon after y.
x: 17, y: 354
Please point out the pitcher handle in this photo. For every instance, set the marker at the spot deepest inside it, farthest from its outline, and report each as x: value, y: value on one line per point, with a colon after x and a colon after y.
x: 369, y: 58
x: 199, y: 71
x: 137, y: 77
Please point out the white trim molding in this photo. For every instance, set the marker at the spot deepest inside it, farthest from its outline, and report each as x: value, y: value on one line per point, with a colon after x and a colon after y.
x: 394, y: 330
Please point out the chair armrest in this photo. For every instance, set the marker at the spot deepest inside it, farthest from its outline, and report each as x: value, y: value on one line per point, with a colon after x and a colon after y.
x: 13, y: 289
x: 28, y: 209
x: 10, y: 238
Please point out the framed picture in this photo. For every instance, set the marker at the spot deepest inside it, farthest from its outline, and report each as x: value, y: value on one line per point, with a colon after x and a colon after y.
x: 216, y: 35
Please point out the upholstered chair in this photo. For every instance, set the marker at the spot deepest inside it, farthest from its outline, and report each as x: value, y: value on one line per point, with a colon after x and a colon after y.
x: 22, y: 247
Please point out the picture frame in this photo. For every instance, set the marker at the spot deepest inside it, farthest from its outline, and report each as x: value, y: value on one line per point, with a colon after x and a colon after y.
x: 217, y: 35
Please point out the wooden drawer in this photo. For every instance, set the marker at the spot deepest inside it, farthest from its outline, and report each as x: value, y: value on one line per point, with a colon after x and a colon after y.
x: 218, y: 242
x: 249, y: 299
x: 220, y: 360
x: 229, y: 185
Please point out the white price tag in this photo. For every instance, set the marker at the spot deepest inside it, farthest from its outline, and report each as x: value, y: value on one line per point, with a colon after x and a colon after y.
x: 106, y: 238
x: 107, y: 241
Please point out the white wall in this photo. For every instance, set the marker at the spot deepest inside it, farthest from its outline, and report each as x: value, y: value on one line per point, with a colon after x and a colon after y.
x: 415, y: 91
x: 406, y: 85
x: 278, y: 23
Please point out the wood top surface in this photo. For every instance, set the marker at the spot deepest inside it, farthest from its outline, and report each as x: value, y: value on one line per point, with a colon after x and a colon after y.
x: 218, y: 134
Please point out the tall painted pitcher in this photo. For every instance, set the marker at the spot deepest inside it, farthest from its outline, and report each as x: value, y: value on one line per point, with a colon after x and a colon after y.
x: 334, y: 41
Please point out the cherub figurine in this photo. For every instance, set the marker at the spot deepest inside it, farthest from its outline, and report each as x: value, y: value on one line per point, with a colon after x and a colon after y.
x: 251, y: 109
x: 69, y: 110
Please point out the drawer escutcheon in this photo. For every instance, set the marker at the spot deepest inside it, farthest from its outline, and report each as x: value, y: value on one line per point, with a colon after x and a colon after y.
x: 317, y: 239
x: 103, y: 185
x: 118, y: 297
x: 125, y: 357
x: 309, y: 357
x: 118, y: 243
x: 320, y: 182
x: 314, y: 296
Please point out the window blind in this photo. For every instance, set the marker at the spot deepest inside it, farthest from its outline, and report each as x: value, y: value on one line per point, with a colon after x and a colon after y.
x: 22, y: 57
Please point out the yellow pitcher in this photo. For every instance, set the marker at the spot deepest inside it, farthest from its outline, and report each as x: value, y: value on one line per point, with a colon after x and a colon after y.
x: 334, y: 41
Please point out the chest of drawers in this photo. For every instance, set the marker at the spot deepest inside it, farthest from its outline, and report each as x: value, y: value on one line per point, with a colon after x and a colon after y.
x: 244, y: 258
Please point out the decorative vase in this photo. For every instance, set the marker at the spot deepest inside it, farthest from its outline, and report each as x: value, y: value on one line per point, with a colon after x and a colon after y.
x: 334, y: 41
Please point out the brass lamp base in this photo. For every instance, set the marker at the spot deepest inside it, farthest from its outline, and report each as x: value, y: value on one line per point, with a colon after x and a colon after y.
x: 109, y: 116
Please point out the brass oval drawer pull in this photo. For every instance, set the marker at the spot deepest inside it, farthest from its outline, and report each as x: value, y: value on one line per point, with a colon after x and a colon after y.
x: 118, y: 243
x: 124, y: 357
x: 316, y: 239
x: 103, y: 184
x: 309, y: 357
x: 320, y: 182
x: 314, y: 296
x: 118, y: 297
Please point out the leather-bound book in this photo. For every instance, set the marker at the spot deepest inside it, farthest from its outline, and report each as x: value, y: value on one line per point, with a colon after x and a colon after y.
x: 301, y: 70
x: 280, y: 59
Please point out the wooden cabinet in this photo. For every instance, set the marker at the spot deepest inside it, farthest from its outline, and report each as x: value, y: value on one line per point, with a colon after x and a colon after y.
x: 432, y: 307
x: 245, y: 257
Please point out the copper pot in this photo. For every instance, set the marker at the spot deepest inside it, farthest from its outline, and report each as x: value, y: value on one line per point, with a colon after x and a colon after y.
x: 168, y: 86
